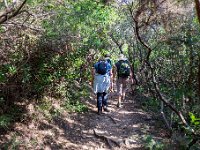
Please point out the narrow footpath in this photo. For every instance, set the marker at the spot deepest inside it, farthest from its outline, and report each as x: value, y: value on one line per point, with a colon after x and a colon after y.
x: 122, y: 128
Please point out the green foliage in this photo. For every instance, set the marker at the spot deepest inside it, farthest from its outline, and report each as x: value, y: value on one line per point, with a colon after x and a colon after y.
x: 75, y: 95
x: 49, y: 68
x: 88, y: 20
x: 36, y: 2
x: 195, y: 147
x: 195, y: 124
x: 13, y: 144
x: 11, y: 69
x: 26, y: 76
x: 83, y: 24
x: 183, y: 141
x: 2, y: 100
x: 151, y: 104
x: 61, y: 89
x: 5, y: 121
x: 194, y: 120
x: 45, y: 105
x: 2, y: 76
x: 75, y: 106
x: 2, y: 29
x: 14, y: 114
x: 152, y: 144
x: 56, y: 112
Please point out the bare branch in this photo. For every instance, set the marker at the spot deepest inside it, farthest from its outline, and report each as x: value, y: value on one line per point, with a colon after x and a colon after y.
x: 6, y: 3
x: 163, y: 115
x: 160, y: 96
x: 117, y: 43
x: 10, y: 13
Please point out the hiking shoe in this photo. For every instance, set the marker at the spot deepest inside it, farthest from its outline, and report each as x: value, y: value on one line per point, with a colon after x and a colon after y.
x: 99, y: 111
x: 119, y: 105
x: 106, y: 109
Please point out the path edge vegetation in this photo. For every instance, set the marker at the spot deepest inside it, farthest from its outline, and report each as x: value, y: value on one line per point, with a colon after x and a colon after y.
x: 39, y: 60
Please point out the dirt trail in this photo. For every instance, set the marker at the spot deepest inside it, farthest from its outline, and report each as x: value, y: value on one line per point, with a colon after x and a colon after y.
x: 121, y: 128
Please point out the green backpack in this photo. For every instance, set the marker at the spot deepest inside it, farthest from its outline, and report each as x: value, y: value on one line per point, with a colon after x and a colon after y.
x: 124, y: 69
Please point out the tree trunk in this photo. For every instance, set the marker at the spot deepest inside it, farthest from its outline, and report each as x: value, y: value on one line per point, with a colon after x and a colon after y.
x: 197, y: 4
x: 147, y: 62
x: 199, y: 78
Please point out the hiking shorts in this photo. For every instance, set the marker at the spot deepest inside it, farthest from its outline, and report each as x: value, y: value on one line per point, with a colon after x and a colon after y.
x: 122, y: 85
x: 101, y: 83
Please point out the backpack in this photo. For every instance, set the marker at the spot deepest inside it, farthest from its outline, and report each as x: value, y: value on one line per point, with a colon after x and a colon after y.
x: 109, y: 61
x: 102, y: 67
x: 123, y: 69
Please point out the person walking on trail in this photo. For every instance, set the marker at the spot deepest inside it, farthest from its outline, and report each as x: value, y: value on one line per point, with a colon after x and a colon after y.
x: 124, y: 75
x: 102, y: 74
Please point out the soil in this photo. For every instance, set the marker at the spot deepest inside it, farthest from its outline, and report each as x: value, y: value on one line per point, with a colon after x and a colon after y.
x: 122, y: 128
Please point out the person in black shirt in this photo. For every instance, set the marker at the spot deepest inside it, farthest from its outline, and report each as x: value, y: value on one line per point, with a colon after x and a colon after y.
x: 124, y: 75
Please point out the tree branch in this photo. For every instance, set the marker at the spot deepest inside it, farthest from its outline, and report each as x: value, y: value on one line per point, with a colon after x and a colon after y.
x: 163, y: 115
x: 6, y: 3
x: 117, y: 43
x: 160, y: 96
x: 135, y: 19
x: 6, y: 15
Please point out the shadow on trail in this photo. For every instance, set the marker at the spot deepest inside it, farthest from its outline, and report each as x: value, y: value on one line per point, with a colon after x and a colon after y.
x: 121, y: 128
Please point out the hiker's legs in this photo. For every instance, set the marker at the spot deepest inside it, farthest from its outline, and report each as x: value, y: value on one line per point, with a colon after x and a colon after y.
x: 105, y: 101
x: 99, y: 102
x: 119, y: 91
x: 124, y: 87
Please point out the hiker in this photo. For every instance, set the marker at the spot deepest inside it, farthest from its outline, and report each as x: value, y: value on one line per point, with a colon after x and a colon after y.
x: 124, y: 76
x: 102, y: 74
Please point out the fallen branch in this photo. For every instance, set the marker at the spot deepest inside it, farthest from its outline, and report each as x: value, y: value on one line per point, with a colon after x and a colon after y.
x: 163, y: 115
x: 163, y: 99
x: 108, y: 140
x: 114, y: 121
x: 103, y: 138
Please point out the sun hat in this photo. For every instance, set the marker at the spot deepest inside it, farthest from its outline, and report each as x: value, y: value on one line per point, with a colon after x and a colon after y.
x: 122, y: 57
x: 107, y: 56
